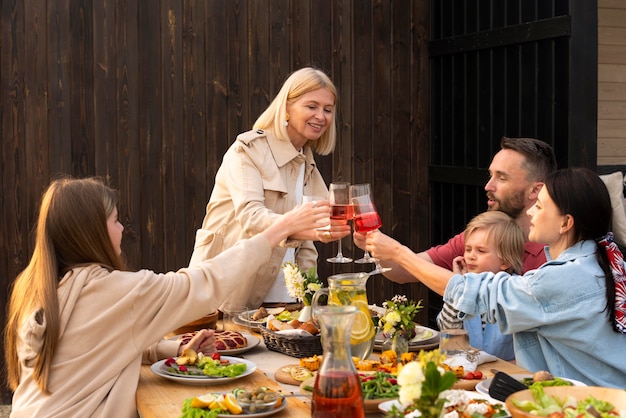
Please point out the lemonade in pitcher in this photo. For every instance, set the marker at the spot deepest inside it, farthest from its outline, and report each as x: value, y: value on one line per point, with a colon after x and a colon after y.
x: 349, y: 289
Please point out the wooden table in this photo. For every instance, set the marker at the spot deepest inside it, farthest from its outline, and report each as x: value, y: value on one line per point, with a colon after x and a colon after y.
x: 161, y: 398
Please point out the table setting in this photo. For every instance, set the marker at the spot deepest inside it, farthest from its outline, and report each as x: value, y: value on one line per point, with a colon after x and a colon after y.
x: 160, y: 394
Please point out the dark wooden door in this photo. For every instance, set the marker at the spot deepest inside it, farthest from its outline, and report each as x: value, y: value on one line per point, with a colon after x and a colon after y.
x: 512, y: 68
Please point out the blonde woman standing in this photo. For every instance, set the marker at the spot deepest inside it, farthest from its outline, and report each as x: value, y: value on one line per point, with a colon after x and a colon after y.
x: 265, y: 173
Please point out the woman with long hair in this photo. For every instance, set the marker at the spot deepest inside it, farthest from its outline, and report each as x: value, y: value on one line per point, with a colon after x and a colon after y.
x: 79, y: 321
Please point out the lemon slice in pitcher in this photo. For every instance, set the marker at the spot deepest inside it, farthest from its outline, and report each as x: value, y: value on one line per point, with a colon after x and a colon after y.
x: 362, y: 327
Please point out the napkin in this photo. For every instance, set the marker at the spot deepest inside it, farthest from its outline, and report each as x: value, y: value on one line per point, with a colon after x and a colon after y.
x: 470, y: 364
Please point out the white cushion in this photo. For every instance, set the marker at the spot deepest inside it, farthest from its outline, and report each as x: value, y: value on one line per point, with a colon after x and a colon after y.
x: 615, y: 183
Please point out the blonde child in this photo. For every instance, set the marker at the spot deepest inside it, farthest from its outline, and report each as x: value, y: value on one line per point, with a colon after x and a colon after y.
x: 493, y: 242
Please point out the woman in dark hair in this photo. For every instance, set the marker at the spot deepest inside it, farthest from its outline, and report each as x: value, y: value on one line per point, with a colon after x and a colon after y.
x: 567, y: 316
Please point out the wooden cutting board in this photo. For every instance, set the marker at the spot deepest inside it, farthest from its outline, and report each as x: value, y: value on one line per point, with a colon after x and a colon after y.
x: 283, y: 375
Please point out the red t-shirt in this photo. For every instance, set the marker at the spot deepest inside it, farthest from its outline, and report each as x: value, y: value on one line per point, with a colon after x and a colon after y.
x: 443, y: 254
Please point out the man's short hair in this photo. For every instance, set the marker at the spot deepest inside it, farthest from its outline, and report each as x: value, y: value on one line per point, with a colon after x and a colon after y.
x: 539, y: 156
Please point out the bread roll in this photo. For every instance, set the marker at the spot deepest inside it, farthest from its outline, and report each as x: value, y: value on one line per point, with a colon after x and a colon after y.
x: 310, y: 328
x: 295, y: 323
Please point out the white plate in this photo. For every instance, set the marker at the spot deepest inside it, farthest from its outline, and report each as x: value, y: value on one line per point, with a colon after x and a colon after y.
x: 160, y: 369
x: 385, y: 407
x: 425, y: 339
x: 241, y: 319
x: 251, y: 339
x: 423, y: 335
x: 483, y: 385
x: 258, y: 414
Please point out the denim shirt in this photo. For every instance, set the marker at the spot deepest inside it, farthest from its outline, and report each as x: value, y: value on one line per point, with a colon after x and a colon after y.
x: 556, y: 315
x: 489, y: 338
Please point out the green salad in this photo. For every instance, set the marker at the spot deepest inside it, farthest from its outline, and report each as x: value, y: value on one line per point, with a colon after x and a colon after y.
x: 546, y: 405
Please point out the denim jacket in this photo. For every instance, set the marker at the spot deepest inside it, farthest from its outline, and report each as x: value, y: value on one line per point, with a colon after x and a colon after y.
x: 556, y: 315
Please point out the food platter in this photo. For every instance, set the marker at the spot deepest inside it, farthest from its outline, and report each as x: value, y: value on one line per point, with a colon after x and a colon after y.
x: 159, y: 368
x: 282, y: 406
x: 252, y: 342
x: 425, y: 339
x: 483, y: 386
x: 244, y: 318
x: 385, y: 407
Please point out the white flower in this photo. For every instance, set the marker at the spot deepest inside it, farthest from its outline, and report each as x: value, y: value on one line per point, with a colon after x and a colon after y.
x: 393, y: 317
x: 293, y: 280
x: 409, y: 393
x: 314, y: 287
x: 411, y: 373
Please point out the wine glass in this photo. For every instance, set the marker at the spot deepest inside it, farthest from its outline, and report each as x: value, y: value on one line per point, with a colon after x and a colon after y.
x: 366, y: 217
x: 341, y: 211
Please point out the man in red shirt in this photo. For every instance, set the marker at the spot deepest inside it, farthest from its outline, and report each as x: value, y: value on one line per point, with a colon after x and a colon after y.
x: 516, y: 176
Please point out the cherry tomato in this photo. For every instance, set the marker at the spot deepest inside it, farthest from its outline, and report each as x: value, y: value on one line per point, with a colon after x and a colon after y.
x: 469, y: 376
x: 215, y: 356
x: 478, y: 374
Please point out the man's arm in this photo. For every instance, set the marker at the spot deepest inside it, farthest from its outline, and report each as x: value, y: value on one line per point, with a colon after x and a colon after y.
x: 387, y: 248
x: 398, y: 273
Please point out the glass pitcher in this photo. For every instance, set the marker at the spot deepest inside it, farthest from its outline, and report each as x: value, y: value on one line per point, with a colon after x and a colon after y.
x: 337, y: 390
x: 349, y: 289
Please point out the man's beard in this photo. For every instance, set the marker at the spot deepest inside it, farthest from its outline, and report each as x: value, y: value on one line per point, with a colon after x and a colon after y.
x: 513, y: 206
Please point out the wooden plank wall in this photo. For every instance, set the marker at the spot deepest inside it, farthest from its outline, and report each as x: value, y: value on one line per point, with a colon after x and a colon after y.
x: 611, y: 82
x: 149, y: 94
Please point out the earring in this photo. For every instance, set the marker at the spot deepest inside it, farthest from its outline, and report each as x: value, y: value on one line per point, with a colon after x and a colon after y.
x: 286, y: 123
x: 286, y: 120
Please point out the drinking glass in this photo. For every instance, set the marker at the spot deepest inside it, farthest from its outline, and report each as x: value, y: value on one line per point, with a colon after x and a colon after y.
x: 366, y: 217
x: 313, y: 199
x: 453, y: 342
x: 341, y: 211
x: 235, y: 317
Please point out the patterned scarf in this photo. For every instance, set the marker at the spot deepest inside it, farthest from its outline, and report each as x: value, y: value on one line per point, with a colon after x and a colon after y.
x: 616, y: 260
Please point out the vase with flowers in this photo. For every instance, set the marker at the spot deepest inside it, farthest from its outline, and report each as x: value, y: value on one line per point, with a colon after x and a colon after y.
x: 423, y: 385
x: 301, y: 286
x: 397, y: 323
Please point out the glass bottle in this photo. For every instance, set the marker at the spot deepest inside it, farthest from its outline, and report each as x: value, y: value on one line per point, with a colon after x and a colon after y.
x: 349, y: 289
x: 337, y: 390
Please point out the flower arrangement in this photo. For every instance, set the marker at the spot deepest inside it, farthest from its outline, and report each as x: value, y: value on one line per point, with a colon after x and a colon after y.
x: 398, y: 316
x: 301, y: 285
x: 421, y: 384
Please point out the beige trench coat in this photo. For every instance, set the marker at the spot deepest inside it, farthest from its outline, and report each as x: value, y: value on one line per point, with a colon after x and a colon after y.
x: 253, y: 186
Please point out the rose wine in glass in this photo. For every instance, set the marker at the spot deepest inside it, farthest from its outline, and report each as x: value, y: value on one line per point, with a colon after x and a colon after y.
x: 366, y: 219
x: 341, y: 211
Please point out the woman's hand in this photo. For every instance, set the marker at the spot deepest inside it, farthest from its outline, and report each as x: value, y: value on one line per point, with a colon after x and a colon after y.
x: 203, y: 342
x: 459, y: 266
x: 299, y: 223
x: 338, y: 229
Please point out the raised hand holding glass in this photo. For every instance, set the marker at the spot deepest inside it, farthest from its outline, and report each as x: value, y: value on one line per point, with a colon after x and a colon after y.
x: 366, y: 218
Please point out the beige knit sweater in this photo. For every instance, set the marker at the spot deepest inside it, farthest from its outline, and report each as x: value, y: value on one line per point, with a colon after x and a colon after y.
x: 108, y: 319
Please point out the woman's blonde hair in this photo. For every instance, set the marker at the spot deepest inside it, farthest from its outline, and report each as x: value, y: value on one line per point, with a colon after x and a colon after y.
x: 71, y: 231
x: 299, y: 83
x: 507, y: 235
